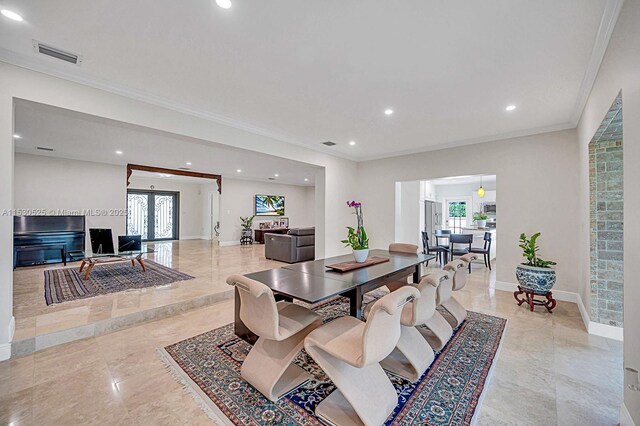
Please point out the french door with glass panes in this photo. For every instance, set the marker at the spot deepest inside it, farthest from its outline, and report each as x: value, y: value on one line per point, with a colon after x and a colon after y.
x: 152, y: 214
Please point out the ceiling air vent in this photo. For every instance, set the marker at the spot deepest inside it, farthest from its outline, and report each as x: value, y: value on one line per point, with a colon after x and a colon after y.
x: 44, y: 148
x: 184, y: 168
x: 271, y: 178
x: 54, y: 52
x: 328, y: 143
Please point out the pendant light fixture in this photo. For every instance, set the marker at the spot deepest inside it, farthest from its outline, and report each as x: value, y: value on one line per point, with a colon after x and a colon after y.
x: 481, y: 189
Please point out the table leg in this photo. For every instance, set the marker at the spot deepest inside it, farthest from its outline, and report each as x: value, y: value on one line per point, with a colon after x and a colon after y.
x: 89, y: 268
x: 239, y: 327
x: 282, y: 297
x: 63, y: 253
x: 416, y: 274
x: 355, y: 302
x: 84, y: 262
x: 133, y: 263
x: 141, y: 262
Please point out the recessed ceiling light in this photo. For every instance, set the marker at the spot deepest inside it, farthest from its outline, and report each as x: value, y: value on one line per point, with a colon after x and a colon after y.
x: 188, y: 163
x: 352, y: 143
x: 17, y: 136
x: 225, y: 4
x: 388, y: 111
x: 510, y: 108
x: 276, y: 175
x: 11, y: 15
x: 239, y: 170
x: 306, y: 180
x: 119, y: 152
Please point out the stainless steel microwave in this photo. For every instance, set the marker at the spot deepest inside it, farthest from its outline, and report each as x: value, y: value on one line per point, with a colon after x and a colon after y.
x: 490, y: 208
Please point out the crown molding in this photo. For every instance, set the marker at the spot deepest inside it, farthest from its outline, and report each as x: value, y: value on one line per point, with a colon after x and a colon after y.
x: 474, y: 141
x: 605, y: 30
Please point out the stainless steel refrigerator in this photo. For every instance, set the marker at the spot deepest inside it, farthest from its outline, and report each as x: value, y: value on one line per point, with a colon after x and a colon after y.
x: 432, y: 217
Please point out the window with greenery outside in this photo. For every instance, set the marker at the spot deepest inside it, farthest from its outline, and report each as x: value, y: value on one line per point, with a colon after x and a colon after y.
x: 458, y: 209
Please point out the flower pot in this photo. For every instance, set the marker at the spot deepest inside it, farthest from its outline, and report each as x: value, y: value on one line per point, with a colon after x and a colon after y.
x: 537, y: 280
x: 361, y: 255
x: 481, y: 223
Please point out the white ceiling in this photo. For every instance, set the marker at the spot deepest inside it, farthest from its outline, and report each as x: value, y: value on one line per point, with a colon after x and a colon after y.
x: 307, y: 72
x: 84, y: 137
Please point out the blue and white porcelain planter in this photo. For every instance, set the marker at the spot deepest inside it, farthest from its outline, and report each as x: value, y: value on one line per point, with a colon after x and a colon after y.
x: 538, y: 280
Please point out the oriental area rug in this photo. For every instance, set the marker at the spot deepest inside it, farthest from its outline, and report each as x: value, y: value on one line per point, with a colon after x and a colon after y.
x: 208, y: 367
x: 64, y: 284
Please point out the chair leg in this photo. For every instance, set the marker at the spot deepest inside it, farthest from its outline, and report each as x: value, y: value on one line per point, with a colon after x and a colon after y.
x: 411, y: 357
x: 489, y: 262
x: 268, y: 366
x: 457, y: 311
x: 437, y: 331
x: 352, y: 403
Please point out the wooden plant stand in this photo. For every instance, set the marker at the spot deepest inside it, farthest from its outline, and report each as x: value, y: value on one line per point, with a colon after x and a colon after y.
x: 549, y: 303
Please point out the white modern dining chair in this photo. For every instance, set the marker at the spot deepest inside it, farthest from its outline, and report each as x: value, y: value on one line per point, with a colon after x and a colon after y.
x: 282, y: 328
x: 404, y: 248
x: 349, y: 351
x: 439, y: 331
x: 458, y: 269
x: 412, y: 355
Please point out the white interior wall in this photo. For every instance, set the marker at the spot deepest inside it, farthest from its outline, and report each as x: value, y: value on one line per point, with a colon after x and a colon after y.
x: 48, y: 183
x: 238, y: 200
x: 408, y: 213
x: 619, y: 71
x: 546, y: 162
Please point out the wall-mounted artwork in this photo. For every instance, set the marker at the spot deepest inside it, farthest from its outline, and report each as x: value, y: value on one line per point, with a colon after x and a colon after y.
x: 269, y: 205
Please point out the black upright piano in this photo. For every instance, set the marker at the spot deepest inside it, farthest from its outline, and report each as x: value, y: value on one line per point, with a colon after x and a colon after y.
x: 39, y: 240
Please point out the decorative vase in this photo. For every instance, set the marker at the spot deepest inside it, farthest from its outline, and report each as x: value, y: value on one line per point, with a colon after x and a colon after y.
x: 361, y: 255
x: 481, y: 223
x: 537, y: 280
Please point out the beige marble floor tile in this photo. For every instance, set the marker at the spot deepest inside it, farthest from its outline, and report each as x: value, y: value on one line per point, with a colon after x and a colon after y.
x: 549, y: 370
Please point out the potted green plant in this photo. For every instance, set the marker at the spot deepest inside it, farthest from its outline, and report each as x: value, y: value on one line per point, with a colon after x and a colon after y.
x: 247, y: 223
x: 480, y: 218
x: 536, y: 274
x: 357, y: 238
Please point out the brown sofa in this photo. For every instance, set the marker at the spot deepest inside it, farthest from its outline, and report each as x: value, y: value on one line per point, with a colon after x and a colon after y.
x: 298, y: 245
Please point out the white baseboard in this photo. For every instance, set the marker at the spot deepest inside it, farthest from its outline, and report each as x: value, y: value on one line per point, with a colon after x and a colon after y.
x: 229, y: 243
x: 606, y: 330
x: 625, y: 416
x: 592, y: 327
x: 5, y: 351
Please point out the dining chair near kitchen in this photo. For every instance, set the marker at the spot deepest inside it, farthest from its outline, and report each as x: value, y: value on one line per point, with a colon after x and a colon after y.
x: 484, y: 251
x: 404, y: 248
x: 282, y: 328
x: 441, y: 252
x: 442, y: 234
x: 457, y: 240
x: 349, y: 351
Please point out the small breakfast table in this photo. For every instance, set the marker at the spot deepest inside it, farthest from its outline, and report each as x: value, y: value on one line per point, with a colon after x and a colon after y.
x: 312, y: 282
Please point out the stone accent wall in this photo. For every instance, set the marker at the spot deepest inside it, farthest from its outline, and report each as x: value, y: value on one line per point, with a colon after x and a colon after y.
x: 606, y: 205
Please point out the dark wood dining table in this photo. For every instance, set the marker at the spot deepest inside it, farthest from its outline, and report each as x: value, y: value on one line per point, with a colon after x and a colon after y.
x: 312, y: 282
